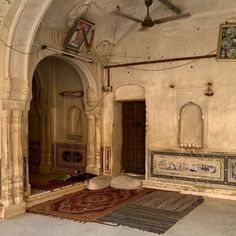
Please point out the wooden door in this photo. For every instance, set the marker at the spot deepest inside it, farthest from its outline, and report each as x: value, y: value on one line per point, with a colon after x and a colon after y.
x: 133, y: 144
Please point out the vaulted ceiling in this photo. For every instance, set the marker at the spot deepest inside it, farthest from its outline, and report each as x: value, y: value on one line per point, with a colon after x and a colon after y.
x: 61, y: 13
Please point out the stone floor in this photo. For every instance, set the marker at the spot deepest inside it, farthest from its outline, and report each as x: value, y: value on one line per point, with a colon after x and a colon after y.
x: 214, y: 217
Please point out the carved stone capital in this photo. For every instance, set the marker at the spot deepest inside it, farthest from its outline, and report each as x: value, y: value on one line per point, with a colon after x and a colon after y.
x: 91, y: 97
x: 25, y: 87
x: 7, y: 87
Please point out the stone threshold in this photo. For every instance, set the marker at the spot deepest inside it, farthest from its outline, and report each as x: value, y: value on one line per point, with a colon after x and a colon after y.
x: 54, y: 194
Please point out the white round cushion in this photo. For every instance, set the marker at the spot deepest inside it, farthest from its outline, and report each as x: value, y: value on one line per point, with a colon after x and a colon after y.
x: 99, y: 182
x: 125, y: 182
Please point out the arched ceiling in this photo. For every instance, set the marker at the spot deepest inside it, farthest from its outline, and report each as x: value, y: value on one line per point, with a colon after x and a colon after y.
x: 60, y: 13
x: 111, y: 28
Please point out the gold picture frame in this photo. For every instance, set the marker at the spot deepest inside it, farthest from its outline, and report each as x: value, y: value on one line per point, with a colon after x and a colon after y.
x: 76, y: 39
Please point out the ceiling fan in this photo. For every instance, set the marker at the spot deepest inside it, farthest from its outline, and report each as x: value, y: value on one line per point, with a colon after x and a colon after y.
x: 148, y: 22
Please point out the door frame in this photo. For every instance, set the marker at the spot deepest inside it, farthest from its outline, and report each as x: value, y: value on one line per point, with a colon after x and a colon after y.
x: 117, y: 136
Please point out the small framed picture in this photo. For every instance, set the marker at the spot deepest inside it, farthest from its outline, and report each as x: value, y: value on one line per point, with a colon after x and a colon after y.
x: 76, y: 39
x: 227, y: 42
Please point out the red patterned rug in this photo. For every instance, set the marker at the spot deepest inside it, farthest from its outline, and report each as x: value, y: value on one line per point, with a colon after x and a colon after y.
x: 88, y: 206
x: 53, y: 184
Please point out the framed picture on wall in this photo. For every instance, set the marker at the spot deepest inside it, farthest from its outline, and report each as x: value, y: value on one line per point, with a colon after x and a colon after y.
x: 227, y: 42
x: 78, y: 35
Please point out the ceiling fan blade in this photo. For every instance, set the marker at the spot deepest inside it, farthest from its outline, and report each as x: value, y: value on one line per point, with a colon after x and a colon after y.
x: 125, y: 15
x: 171, y: 6
x: 171, y: 18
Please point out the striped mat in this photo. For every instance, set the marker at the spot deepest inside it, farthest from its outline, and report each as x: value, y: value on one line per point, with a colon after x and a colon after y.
x: 156, y: 212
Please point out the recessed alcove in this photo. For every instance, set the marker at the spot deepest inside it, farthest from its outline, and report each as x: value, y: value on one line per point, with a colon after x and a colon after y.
x: 191, y: 126
x: 74, y: 123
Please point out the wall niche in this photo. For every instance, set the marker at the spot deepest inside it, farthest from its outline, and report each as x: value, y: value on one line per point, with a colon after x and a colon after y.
x: 74, y: 123
x: 191, y: 126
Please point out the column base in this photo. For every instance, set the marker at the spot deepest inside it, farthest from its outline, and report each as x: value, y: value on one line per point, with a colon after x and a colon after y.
x: 2, y: 211
x: 13, y: 210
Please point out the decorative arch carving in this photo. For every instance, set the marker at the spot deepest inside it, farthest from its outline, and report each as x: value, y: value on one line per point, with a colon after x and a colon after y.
x: 82, y: 69
x: 191, y: 126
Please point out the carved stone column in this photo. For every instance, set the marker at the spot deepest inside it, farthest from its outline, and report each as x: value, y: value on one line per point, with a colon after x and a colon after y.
x: 11, y: 163
x: 17, y: 157
x: 25, y: 148
x: 91, y: 158
x: 6, y: 160
x: 7, y: 88
x: 98, y: 142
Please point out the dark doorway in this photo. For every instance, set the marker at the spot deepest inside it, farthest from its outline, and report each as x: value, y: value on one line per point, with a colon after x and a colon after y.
x: 133, y: 144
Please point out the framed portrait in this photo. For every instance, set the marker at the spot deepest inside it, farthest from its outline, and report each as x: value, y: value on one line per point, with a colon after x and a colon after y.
x: 78, y: 35
x: 227, y: 42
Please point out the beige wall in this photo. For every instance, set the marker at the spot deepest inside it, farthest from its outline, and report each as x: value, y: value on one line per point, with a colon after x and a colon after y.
x: 190, y: 37
x: 60, y: 76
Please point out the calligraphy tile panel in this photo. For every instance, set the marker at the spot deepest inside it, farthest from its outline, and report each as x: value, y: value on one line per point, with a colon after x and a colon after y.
x: 212, y: 168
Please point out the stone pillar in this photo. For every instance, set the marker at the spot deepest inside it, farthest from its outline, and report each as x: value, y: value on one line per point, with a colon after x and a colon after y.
x: 17, y: 157
x: 6, y: 160
x: 91, y: 159
x: 25, y: 154
x: 12, y: 192
x: 98, y: 143
x: 7, y: 88
x: 93, y: 144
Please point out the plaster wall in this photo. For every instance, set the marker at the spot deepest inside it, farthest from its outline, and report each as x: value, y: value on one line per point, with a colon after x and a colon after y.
x: 59, y: 77
x: 199, y: 35
x: 169, y: 86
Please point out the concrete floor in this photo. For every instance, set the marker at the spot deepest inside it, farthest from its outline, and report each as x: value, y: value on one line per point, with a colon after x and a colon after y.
x: 214, y: 217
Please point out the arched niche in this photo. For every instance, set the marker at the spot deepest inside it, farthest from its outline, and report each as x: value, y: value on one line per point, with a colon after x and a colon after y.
x: 191, y: 126
x: 74, y: 129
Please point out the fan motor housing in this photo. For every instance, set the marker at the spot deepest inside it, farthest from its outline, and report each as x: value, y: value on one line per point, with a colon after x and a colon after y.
x: 148, y: 23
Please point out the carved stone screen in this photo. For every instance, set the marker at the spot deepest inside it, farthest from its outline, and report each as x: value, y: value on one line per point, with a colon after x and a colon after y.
x: 191, y: 126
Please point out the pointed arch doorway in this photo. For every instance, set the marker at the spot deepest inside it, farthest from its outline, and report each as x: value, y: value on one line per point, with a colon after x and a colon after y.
x: 57, y: 123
